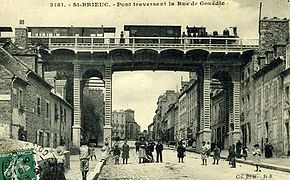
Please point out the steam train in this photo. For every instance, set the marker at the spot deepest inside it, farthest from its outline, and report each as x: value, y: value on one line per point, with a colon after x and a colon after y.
x: 144, y: 34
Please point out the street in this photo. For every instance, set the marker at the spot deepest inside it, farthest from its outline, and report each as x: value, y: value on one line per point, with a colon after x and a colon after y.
x: 190, y: 169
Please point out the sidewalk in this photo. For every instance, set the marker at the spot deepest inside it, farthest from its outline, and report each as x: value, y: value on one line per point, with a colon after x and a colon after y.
x: 74, y: 172
x: 280, y: 164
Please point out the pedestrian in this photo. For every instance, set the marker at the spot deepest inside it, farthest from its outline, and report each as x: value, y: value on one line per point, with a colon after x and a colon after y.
x: 122, y: 40
x: 229, y: 158
x: 257, y: 157
x: 268, y: 149
x: 244, y: 152
x: 232, y: 156
x: 84, y: 159
x: 208, y: 148
x: 180, y: 151
x: 125, y: 152
x: 60, y: 159
x: 159, y: 149
x: 137, y: 146
x: 142, y: 150
x: 92, y: 152
x: 203, y: 153
x: 216, y: 154
x: 105, y: 151
x: 116, y: 154
x: 151, y: 146
x: 238, y: 148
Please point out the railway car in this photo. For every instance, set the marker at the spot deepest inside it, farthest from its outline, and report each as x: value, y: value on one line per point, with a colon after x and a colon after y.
x: 61, y: 32
x: 172, y: 32
x: 4, y: 30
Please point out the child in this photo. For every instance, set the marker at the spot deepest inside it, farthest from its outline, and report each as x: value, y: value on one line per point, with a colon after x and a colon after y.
x: 245, y: 152
x: 116, y: 153
x: 257, y: 157
x: 180, y: 152
x: 216, y: 154
x: 105, y: 151
x: 204, y: 152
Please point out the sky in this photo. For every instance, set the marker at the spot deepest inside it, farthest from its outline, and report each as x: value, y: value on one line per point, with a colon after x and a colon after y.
x: 140, y: 90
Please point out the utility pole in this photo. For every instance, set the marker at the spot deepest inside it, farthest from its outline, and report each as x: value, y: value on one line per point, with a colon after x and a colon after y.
x: 260, y: 16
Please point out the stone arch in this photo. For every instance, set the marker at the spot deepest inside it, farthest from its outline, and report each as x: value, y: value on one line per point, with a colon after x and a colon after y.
x: 197, y: 54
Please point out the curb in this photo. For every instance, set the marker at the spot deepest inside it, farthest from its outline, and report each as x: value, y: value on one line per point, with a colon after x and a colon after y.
x: 96, y: 172
x: 263, y: 165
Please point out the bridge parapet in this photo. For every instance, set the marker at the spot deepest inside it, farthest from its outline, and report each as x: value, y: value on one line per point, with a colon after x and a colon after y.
x: 104, y: 44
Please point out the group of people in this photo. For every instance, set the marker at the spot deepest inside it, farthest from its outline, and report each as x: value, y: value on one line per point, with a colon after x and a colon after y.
x: 239, y: 151
x: 145, y: 151
x: 125, y: 153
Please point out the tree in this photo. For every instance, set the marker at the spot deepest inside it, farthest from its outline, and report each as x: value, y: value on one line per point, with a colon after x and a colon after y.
x: 92, y: 114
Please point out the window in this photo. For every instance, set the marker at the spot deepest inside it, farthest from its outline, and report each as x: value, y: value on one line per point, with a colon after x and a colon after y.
x: 64, y: 115
x: 48, y: 139
x: 169, y: 31
x: 38, y: 105
x: 20, y: 98
x: 249, y: 131
x: 47, y: 110
x: 55, y: 112
x: 61, y: 114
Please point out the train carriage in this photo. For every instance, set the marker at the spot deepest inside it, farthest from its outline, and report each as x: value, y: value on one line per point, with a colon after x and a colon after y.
x: 70, y: 32
x: 173, y: 33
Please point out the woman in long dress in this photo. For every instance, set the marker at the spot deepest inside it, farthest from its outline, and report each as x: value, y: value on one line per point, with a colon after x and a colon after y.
x: 142, y: 150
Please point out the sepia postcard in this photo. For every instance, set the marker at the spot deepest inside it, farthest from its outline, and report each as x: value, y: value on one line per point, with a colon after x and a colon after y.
x: 144, y: 89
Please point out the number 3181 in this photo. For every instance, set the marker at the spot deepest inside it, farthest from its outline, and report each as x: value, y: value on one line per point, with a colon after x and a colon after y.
x: 56, y: 5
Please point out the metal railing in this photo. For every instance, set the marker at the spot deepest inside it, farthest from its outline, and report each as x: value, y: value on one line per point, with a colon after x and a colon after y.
x: 134, y: 43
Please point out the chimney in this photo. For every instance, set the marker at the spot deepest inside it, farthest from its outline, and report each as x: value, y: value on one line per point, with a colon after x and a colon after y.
x: 21, y: 35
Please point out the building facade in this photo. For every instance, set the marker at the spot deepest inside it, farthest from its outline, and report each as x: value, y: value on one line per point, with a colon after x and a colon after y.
x: 118, y: 124
x: 263, y: 91
x: 132, y: 128
x: 29, y: 100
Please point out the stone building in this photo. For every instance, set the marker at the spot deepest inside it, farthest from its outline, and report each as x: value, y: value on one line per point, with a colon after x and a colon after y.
x: 118, y: 124
x: 219, y: 117
x: 151, y: 131
x: 262, y: 88
x: 132, y: 128
x: 27, y: 99
x: 163, y: 120
x: 188, y: 112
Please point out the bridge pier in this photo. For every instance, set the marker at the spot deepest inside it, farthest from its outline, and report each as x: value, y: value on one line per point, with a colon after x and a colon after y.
x: 205, y: 131
x: 108, y: 104
x: 76, y: 128
x: 235, y: 131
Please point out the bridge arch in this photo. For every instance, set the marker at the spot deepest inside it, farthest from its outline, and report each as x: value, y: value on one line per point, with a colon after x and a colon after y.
x: 64, y: 50
x: 196, y: 54
x: 120, y: 54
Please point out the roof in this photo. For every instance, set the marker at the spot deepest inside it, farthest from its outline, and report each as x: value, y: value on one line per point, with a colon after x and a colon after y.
x: 61, y: 99
x: 6, y: 29
x: 128, y: 26
x: 106, y: 29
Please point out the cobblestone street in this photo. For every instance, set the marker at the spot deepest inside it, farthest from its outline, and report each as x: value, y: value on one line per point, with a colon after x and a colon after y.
x: 190, y: 169
x: 74, y: 172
